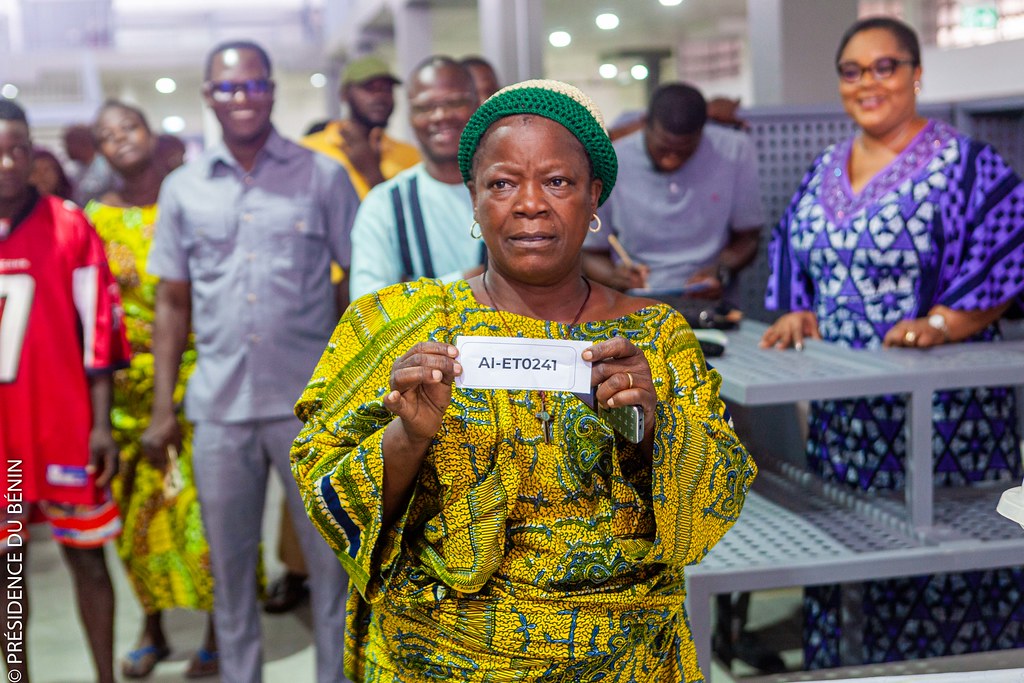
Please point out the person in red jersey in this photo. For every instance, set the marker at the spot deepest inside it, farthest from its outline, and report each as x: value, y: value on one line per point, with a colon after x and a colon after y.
x: 61, y: 336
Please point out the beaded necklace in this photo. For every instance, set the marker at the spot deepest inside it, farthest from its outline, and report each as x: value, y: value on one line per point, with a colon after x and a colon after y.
x: 543, y: 415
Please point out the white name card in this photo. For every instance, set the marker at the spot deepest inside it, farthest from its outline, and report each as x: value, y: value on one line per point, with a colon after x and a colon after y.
x: 518, y: 363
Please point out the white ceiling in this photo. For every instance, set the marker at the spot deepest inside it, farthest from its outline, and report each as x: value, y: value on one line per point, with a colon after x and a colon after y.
x: 130, y: 43
x: 170, y: 33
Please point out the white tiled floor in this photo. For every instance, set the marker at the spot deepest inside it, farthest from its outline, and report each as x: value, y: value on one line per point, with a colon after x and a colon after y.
x: 57, y: 649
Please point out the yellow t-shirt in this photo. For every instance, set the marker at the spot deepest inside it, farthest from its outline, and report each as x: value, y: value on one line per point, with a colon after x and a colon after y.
x: 395, y: 156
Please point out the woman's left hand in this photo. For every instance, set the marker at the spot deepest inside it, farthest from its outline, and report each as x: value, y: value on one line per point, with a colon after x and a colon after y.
x: 622, y: 377
x: 914, y: 333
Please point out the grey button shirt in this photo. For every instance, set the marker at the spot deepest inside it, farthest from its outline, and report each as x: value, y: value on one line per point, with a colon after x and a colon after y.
x: 678, y: 223
x: 256, y: 248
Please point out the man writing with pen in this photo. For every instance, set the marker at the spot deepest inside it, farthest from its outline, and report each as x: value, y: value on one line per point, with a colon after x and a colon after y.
x: 687, y: 214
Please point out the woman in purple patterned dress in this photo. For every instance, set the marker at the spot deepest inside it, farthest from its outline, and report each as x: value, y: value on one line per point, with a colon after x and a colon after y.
x: 907, y: 234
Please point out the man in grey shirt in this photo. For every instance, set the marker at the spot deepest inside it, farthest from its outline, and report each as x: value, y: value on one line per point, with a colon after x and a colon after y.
x: 243, y: 246
x: 686, y: 208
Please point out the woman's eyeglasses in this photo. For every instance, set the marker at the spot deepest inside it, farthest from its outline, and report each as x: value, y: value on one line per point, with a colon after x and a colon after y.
x: 880, y: 69
x: 255, y: 89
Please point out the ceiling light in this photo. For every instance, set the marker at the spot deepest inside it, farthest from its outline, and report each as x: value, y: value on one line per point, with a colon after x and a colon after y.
x: 639, y: 72
x: 166, y: 85
x: 670, y: 3
x: 173, y: 124
x: 318, y: 80
x: 607, y: 21
x: 608, y: 70
x: 9, y: 90
x: 560, y: 38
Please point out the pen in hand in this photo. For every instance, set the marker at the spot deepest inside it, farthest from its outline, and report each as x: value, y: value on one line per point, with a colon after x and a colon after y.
x: 626, y: 259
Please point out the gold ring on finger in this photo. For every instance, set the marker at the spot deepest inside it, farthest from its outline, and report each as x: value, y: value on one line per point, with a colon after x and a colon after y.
x: 910, y: 337
x: 630, y: 376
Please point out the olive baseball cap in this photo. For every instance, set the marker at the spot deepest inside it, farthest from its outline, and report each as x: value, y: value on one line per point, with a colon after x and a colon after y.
x: 366, y: 69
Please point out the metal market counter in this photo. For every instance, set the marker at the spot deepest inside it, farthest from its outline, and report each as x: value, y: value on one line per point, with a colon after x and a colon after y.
x: 796, y: 530
x: 1007, y: 676
x: 1014, y: 675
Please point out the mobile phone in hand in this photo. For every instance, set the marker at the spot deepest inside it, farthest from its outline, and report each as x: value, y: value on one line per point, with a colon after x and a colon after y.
x: 628, y: 421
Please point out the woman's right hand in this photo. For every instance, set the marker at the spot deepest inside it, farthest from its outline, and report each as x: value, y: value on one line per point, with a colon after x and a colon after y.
x: 791, y: 330
x: 421, y: 388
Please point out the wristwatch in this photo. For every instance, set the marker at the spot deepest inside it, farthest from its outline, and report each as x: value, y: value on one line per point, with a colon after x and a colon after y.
x: 938, y: 321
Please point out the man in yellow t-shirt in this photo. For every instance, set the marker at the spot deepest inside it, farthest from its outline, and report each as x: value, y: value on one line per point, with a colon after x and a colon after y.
x: 359, y: 142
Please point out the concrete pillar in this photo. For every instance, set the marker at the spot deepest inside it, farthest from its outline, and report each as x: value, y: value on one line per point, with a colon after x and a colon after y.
x: 512, y: 37
x: 792, y: 49
x: 339, y: 24
x: 332, y: 97
x: 414, y: 34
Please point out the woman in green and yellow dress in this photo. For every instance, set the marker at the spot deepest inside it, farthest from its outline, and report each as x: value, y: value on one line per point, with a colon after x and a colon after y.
x: 507, y: 534
x: 163, y: 545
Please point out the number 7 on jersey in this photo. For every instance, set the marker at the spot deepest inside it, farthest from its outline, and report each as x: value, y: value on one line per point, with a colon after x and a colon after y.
x: 16, y: 292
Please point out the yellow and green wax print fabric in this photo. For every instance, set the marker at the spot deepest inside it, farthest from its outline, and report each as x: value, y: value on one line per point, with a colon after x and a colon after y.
x: 163, y: 545
x: 515, y: 559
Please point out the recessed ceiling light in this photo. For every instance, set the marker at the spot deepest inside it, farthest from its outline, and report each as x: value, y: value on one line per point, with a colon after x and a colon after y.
x: 560, y: 38
x: 318, y: 80
x: 173, y: 124
x: 670, y: 3
x: 639, y: 72
x: 9, y: 90
x: 608, y: 70
x: 166, y: 85
x: 607, y: 21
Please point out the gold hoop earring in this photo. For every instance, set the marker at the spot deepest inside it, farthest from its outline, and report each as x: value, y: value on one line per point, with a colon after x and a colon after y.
x: 917, y: 87
x: 472, y: 230
x: 591, y: 228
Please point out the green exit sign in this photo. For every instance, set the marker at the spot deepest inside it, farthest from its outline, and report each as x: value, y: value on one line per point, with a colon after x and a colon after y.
x: 979, y: 16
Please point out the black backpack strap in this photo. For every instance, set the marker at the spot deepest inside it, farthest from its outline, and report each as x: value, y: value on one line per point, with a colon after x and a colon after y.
x: 421, y: 229
x: 403, y: 238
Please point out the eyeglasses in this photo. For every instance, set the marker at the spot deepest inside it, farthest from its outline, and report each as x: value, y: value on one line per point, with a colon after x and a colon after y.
x: 254, y: 89
x: 421, y: 109
x: 880, y: 69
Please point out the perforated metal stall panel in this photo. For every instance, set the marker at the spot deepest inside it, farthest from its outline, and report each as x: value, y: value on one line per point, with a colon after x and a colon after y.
x: 796, y: 531
x: 788, y: 141
x: 999, y: 123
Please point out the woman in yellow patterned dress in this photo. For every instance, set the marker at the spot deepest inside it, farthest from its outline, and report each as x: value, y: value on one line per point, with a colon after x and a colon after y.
x: 505, y: 534
x: 163, y: 546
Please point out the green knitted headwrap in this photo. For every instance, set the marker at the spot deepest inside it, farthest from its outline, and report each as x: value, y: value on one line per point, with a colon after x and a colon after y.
x: 553, y: 100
